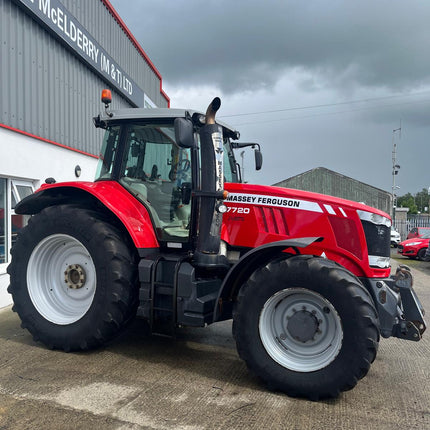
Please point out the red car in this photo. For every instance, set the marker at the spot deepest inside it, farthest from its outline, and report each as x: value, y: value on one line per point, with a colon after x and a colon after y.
x: 414, y: 248
x: 423, y: 232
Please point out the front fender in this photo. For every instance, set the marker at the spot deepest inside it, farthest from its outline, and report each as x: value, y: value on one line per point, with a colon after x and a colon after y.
x: 253, y: 259
x: 100, y: 195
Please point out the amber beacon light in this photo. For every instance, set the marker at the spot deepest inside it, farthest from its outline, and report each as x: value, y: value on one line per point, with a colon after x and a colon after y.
x: 106, y: 97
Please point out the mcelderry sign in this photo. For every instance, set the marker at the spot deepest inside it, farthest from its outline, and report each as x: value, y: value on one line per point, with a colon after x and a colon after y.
x: 58, y: 19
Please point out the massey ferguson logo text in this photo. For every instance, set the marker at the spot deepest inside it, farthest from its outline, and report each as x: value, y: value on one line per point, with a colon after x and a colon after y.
x: 263, y: 200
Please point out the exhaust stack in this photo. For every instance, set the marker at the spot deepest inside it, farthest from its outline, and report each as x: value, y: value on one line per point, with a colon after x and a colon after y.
x: 212, y: 191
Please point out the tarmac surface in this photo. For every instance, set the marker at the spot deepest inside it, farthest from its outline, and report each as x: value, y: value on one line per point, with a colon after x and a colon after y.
x: 198, y: 382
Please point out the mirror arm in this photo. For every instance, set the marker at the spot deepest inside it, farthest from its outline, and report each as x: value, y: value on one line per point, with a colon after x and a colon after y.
x: 239, y: 172
x: 237, y: 145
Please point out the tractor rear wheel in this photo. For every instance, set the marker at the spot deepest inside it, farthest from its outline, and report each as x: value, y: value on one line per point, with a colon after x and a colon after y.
x: 73, y: 278
x: 306, y: 326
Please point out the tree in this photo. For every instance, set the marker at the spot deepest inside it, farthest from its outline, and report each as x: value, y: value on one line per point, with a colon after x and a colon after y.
x: 407, y: 201
x: 419, y: 203
x: 422, y: 200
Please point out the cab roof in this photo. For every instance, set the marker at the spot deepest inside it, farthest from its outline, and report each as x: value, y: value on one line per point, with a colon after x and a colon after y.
x: 152, y: 114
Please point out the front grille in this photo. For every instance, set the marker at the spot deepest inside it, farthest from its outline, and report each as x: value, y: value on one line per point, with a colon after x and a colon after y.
x: 400, y: 248
x: 378, y: 238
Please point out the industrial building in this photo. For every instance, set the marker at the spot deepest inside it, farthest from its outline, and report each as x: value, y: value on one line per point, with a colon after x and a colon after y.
x: 326, y: 181
x: 55, y: 58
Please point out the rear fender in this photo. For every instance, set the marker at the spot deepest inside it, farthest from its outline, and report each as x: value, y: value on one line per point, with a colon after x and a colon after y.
x: 253, y: 259
x: 104, y: 196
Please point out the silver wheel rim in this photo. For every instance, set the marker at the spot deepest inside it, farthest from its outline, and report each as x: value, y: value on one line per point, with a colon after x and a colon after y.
x: 61, y: 279
x: 300, y: 330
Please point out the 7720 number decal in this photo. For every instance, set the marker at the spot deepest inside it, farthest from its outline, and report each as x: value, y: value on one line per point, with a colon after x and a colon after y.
x: 237, y: 210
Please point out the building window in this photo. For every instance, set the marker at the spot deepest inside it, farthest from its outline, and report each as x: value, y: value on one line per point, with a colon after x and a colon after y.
x: 11, y: 192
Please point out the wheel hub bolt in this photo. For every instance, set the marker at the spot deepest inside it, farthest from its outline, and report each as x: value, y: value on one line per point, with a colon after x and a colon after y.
x: 302, y: 326
x: 75, y: 276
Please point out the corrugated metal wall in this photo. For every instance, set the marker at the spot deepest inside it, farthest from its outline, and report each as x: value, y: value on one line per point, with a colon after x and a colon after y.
x: 95, y: 17
x: 325, y: 181
x: 47, y: 91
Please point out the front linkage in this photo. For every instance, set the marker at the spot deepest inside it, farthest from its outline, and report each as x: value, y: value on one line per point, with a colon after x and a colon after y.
x: 400, y: 311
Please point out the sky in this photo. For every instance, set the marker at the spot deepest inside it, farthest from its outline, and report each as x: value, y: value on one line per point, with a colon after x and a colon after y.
x: 317, y: 83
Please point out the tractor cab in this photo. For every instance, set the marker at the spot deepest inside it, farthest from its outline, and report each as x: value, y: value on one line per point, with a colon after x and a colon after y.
x: 156, y: 155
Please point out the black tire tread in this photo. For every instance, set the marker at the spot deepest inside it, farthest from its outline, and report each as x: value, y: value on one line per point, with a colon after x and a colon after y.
x: 363, y: 303
x: 122, y: 296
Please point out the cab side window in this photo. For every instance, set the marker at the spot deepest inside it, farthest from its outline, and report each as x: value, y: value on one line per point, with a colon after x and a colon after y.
x: 154, y: 169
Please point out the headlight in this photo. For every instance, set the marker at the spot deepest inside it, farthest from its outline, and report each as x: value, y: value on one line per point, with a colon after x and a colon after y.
x: 412, y: 244
x: 377, y: 261
x: 221, y: 208
x: 374, y: 218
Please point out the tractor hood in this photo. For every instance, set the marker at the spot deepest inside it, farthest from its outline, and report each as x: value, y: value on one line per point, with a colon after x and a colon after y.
x: 292, y: 198
x: 258, y: 214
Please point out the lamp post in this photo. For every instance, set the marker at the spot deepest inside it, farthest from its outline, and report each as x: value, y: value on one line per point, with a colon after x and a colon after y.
x: 395, y: 171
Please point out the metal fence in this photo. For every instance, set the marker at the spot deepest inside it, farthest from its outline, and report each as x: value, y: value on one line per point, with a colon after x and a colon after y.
x: 404, y: 226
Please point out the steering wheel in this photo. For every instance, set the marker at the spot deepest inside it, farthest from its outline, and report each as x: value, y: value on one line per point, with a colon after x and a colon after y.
x: 185, y: 166
x: 178, y: 171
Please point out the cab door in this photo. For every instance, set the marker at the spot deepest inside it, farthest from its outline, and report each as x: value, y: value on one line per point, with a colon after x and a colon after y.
x: 156, y: 170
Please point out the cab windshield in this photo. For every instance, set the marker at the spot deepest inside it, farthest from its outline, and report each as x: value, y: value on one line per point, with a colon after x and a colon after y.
x: 230, y: 166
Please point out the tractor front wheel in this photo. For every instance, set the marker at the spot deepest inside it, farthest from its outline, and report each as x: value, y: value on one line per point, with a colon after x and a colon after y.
x: 306, y: 326
x: 73, y: 278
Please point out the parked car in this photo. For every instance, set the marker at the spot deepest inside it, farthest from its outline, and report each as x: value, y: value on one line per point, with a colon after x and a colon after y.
x: 427, y: 254
x: 414, y: 248
x: 395, y: 237
x: 423, y: 232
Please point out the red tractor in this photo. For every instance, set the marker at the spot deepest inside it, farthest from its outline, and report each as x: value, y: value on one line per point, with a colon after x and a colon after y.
x: 169, y: 233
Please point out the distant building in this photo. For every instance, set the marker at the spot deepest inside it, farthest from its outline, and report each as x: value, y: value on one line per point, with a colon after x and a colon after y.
x: 325, y: 181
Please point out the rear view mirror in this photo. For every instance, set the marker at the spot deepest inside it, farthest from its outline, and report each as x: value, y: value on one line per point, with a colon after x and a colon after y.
x: 257, y: 152
x: 258, y: 159
x: 184, y: 133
